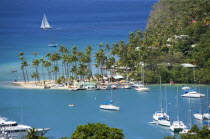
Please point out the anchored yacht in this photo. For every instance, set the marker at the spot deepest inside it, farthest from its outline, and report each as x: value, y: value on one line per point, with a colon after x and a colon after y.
x: 10, y: 129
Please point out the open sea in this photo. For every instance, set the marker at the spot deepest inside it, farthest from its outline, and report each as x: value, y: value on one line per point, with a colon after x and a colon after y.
x: 79, y: 23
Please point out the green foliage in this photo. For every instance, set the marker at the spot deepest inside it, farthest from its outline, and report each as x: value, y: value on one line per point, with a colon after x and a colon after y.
x: 96, y: 131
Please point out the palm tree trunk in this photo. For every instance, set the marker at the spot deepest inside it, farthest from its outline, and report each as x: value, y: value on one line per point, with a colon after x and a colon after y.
x: 24, y: 76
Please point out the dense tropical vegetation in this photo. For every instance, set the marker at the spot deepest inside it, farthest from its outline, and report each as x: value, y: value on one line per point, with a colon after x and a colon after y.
x: 177, y: 32
x: 88, y: 131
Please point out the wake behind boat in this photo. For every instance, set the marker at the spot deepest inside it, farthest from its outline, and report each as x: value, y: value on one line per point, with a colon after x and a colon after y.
x: 10, y: 129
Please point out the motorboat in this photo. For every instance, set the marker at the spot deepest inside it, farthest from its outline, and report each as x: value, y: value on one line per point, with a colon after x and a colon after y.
x: 10, y: 129
x: 185, y: 88
x: 177, y: 126
x: 142, y: 88
x: 192, y: 94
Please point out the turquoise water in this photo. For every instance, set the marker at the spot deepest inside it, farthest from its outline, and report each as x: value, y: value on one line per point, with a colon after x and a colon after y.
x: 49, y: 108
x: 77, y: 23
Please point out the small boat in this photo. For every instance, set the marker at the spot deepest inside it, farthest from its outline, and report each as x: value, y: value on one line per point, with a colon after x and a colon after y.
x: 45, y: 24
x: 71, y: 105
x: 154, y: 122
x: 199, y: 116
x: 52, y: 45
x: 10, y: 129
x: 193, y: 94
x: 74, y: 87
x: 108, y: 106
x: 114, y: 87
x: 90, y: 87
x: 127, y: 86
x: 14, y: 71
x: 185, y: 88
x: 142, y: 88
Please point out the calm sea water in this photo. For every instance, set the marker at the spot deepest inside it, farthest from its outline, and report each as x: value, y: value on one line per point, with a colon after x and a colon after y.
x: 77, y: 23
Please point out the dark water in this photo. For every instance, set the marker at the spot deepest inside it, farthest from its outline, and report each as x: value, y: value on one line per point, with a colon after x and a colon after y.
x: 77, y: 23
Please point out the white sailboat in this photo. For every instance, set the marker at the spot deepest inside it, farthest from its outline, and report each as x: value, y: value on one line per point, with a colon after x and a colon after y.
x: 177, y: 126
x: 160, y: 115
x: 199, y: 114
x: 187, y: 128
x: 165, y: 120
x: 109, y: 106
x: 45, y: 24
x: 142, y: 87
x: 193, y: 93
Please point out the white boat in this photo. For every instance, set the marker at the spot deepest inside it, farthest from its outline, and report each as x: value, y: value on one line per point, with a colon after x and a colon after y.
x: 142, y: 88
x: 114, y: 87
x: 164, y: 122
x: 104, y: 87
x: 90, y: 87
x: 160, y: 115
x: 198, y: 116
x: 10, y: 129
x: 109, y: 107
x: 127, y: 86
x: 193, y: 94
x: 45, y: 24
x: 177, y: 126
x: 185, y: 88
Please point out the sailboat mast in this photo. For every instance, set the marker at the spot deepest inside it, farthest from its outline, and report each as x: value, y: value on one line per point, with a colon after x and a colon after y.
x: 161, y: 103
x: 177, y: 105
x: 194, y: 76
x: 166, y: 100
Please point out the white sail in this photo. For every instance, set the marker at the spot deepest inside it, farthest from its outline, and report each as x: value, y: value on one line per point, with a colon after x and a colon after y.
x: 45, y: 24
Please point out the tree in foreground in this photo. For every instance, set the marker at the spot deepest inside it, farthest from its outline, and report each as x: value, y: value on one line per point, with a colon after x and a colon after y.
x: 97, y: 131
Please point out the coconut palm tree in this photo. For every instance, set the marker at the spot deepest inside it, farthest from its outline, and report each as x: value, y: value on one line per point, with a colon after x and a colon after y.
x: 35, y: 76
x: 31, y: 134
x: 25, y: 64
x: 36, y: 63
x: 42, y: 62
x: 47, y: 65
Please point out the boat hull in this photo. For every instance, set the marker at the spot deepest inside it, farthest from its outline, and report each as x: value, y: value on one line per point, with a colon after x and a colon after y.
x: 198, y: 116
x: 110, y: 107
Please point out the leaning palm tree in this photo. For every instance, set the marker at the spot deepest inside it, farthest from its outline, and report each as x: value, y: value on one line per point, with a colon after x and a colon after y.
x: 25, y: 64
x: 35, y: 76
x: 31, y: 134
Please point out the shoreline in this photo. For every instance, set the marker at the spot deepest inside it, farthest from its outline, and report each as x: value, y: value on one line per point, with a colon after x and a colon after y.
x: 63, y: 86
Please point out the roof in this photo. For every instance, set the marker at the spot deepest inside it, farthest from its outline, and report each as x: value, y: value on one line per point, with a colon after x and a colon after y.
x: 118, y: 77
